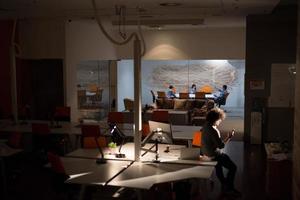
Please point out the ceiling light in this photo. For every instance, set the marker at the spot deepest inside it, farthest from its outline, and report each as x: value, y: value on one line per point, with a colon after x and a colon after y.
x: 157, y: 27
x: 170, y: 4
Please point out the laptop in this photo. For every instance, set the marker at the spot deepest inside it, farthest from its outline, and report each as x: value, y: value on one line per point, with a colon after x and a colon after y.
x: 189, y: 153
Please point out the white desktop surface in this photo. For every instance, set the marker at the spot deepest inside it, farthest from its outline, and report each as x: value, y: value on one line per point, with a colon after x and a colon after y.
x: 128, y: 149
x: 87, y: 171
x: 145, y: 175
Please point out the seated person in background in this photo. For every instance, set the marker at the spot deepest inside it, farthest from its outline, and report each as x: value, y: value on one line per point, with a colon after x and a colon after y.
x: 193, y: 89
x: 222, y: 93
x: 171, y: 92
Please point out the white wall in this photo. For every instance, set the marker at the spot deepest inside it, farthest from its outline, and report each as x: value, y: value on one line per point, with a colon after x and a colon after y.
x: 125, y: 82
x: 84, y: 41
x: 206, y: 43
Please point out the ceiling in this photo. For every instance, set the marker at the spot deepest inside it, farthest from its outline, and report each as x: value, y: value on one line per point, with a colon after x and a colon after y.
x: 188, y: 13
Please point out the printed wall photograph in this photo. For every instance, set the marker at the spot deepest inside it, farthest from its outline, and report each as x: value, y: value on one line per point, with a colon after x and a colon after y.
x: 207, y: 75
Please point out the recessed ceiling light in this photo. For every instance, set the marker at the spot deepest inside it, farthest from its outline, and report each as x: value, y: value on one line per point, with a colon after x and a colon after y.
x: 170, y: 4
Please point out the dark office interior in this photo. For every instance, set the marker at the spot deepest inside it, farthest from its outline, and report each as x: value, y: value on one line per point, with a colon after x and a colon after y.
x: 60, y: 98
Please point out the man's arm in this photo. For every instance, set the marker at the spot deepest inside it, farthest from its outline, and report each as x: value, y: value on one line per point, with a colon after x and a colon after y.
x: 229, y: 136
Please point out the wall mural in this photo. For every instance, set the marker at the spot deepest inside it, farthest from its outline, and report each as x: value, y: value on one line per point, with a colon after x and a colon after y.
x: 183, y: 76
x: 158, y: 75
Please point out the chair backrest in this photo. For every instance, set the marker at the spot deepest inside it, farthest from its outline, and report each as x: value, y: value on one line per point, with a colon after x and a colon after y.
x: 56, y: 163
x: 128, y: 104
x: 145, y: 129
x: 200, y: 95
x: 40, y: 128
x: 183, y: 95
x: 197, y: 137
x: 91, y: 136
x: 160, y: 116
x: 115, y: 117
x: 161, y: 94
x: 62, y: 113
x: 222, y: 101
x: 153, y: 96
x: 14, y: 140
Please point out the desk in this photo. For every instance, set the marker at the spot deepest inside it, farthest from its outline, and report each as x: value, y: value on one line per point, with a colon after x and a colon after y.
x: 82, y: 168
x: 145, y: 175
x: 128, y: 150
x: 130, y: 174
x: 192, y: 96
x: 180, y: 132
x: 171, y: 157
x: 87, y: 171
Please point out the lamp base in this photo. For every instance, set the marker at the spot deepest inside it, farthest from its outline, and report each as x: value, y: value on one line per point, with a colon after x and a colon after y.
x: 100, y: 161
x: 120, y: 155
x: 155, y: 161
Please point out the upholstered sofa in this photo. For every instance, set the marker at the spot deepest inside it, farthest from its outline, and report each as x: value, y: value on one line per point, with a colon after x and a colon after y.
x: 182, y: 111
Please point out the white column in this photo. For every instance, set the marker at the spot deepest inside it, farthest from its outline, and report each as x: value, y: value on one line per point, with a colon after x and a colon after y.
x: 137, y: 99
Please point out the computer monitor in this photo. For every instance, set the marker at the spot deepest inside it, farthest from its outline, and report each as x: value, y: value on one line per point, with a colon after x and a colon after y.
x: 159, y: 133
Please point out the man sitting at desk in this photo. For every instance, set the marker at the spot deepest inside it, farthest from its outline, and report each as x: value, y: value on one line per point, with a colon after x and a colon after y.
x: 222, y: 94
x: 171, y: 92
x: 211, y: 149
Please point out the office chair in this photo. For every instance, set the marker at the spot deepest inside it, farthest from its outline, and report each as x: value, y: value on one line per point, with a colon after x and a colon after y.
x: 128, y: 104
x: 14, y: 140
x: 58, y: 175
x: 91, y: 138
x: 41, y: 132
x: 222, y: 101
x: 197, y: 137
x: 153, y: 96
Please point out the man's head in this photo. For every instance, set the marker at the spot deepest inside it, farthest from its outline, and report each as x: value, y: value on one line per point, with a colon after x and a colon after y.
x: 215, y: 116
x: 224, y: 87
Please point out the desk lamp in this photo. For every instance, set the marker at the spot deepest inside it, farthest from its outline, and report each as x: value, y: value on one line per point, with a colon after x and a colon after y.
x: 118, y: 137
x: 160, y: 133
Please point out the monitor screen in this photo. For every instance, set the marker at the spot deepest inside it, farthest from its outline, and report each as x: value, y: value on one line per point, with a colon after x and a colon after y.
x: 161, y: 132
